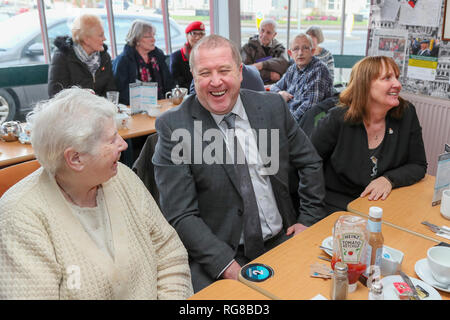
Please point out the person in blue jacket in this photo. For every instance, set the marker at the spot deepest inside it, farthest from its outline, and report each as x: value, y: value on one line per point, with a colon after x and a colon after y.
x: 141, y: 60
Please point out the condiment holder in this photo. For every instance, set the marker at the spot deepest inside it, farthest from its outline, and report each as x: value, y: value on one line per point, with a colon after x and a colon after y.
x: 391, y: 261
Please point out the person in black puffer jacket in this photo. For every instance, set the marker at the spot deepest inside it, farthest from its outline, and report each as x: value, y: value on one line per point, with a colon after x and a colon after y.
x: 82, y: 60
x: 141, y: 60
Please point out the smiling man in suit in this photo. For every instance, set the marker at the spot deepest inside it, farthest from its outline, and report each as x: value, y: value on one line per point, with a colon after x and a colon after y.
x: 229, y: 212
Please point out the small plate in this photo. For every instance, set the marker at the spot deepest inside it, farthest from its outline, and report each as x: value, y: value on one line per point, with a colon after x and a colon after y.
x: 389, y: 292
x: 423, y: 271
x: 328, y: 242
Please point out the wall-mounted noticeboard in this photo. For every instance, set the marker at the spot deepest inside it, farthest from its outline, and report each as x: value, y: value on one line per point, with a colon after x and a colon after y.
x: 417, y: 37
x: 446, y: 22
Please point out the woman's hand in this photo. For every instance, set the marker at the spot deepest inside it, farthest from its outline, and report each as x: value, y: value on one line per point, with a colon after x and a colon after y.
x: 378, y: 188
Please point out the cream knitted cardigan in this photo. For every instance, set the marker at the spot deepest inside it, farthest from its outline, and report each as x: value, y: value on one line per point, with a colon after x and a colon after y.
x: 46, y: 254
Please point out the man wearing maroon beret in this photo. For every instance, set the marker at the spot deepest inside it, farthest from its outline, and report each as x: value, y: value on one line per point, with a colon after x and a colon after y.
x: 179, y: 60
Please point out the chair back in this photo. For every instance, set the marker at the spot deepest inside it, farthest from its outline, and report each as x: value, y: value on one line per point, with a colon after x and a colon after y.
x: 143, y: 166
x: 9, y: 176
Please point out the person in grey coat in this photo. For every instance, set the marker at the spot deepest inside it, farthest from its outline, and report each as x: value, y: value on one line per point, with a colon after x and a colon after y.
x: 203, y: 199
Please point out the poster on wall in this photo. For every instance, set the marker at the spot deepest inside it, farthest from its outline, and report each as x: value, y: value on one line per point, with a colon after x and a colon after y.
x: 423, y: 58
x: 425, y: 13
x: 446, y: 22
x: 389, y: 10
x: 391, y: 43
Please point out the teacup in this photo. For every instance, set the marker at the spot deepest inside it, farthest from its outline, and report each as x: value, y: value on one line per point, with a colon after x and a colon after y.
x: 438, y: 258
x: 445, y: 204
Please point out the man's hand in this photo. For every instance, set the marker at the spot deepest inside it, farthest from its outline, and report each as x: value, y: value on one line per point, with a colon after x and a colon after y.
x: 286, y: 95
x: 258, y: 65
x: 377, y: 189
x: 274, y: 76
x: 232, y: 271
x: 296, y: 229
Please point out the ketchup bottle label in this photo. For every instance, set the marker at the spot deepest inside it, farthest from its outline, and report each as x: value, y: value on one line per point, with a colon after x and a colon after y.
x: 351, y: 245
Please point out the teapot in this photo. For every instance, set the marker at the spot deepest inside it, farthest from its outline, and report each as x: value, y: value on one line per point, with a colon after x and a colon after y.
x: 176, y: 95
x: 10, y: 131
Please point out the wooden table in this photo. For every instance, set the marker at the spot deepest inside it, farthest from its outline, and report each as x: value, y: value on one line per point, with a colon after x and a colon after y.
x: 139, y: 125
x: 405, y: 208
x: 228, y: 290
x: 292, y: 259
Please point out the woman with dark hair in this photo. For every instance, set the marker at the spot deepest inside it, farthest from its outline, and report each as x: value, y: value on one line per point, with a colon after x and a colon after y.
x: 141, y: 60
x: 82, y: 60
x: 372, y: 142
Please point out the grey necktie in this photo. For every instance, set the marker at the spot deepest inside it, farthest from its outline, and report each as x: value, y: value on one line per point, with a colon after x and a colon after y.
x: 253, y: 240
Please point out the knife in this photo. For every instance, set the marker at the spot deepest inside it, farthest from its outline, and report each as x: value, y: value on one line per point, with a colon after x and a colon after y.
x: 410, y: 284
x: 436, y: 228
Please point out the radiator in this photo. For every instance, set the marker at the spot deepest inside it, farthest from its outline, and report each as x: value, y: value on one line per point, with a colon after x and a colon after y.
x: 434, y: 117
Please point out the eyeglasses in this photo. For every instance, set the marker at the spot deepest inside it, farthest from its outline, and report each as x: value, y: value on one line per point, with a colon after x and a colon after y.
x: 304, y: 48
x: 197, y: 34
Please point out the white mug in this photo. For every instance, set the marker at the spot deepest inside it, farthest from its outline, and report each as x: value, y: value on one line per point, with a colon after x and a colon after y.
x: 445, y: 204
x: 438, y: 258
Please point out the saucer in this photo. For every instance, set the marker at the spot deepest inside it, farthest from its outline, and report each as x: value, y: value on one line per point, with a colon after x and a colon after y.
x: 423, y: 271
x: 389, y: 293
x: 328, y: 242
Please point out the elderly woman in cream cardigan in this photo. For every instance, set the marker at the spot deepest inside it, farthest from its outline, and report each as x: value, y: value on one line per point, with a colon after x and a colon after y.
x: 84, y: 226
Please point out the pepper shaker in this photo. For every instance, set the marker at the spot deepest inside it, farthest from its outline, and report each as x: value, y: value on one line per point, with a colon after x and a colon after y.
x: 339, y: 284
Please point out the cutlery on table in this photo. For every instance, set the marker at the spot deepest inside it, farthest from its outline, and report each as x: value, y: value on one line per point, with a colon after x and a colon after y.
x: 410, y: 284
x: 435, y: 228
x: 326, y: 248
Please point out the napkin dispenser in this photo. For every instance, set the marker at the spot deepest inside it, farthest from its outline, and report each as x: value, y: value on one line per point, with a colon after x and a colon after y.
x: 391, y: 261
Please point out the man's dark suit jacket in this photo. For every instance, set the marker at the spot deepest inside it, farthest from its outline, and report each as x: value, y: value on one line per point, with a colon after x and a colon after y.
x: 203, y: 202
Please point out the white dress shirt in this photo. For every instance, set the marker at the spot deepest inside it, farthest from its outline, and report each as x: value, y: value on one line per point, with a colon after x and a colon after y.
x: 269, y: 216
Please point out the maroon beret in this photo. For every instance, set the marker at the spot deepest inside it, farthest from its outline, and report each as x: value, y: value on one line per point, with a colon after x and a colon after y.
x: 196, y: 25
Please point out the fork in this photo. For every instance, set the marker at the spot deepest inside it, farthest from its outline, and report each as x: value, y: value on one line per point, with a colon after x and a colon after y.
x: 435, y: 228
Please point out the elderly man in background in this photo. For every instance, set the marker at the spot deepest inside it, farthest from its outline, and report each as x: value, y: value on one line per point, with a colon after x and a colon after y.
x: 306, y: 82
x: 265, y: 53
x: 229, y: 212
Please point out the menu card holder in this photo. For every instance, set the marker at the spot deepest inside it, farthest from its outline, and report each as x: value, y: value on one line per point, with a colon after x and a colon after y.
x: 442, y: 176
x: 143, y: 96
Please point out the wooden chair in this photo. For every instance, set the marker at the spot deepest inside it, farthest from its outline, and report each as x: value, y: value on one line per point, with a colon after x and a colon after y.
x: 9, y: 176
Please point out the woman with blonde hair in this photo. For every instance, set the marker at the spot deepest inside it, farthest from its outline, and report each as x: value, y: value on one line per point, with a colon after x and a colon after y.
x: 82, y: 59
x: 372, y: 142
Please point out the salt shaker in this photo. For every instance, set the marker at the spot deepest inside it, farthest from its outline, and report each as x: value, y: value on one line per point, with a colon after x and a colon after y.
x: 339, y: 284
x: 376, y: 291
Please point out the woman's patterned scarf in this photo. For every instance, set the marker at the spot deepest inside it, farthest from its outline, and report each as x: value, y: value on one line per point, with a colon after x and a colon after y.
x: 150, y: 72
x: 92, y: 61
